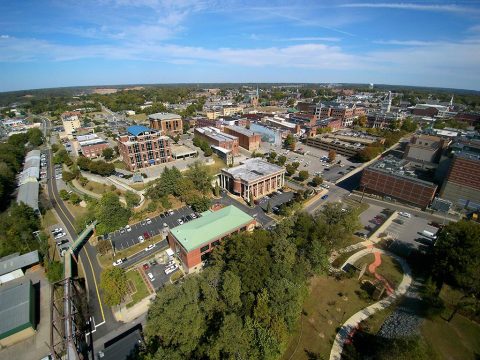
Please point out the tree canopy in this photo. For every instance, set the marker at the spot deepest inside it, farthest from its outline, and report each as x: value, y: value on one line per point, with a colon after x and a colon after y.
x: 113, y: 282
x: 110, y: 213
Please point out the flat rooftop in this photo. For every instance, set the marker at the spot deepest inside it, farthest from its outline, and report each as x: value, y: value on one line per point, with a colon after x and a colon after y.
x: 182, y: 150
x: 164, y: 116
x: 253, y: 169
x: 210, y: 226
x: 215, y: 133
x: 242, y: 130
x: 400, y: 168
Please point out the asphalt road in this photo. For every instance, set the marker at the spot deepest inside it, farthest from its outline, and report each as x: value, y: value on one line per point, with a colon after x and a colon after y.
x: 103, y: 318
x: 143, y: 255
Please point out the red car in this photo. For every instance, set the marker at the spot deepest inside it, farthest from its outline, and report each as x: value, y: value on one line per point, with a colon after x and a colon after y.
x: 145, y: 266
x: 146, y: 235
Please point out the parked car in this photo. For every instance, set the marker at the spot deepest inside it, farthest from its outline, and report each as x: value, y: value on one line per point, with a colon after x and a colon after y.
x: 61, y: 242
x: 169, y: 270
x: 180, y: 221
x: 60, y: 235
x: 150, y: 275
x: 146, y: 266
x: 146, y: 235
x: 143, y: 223
x: 193, y: 215
x: 148, y: 221
x: 128, y: 228
x: 141, y: 239
x: 149, y: 247
x: 324, y: 197
x: 122, y: 231
x: 170, y: 212
x: 405, y: 214
x: 56, y: 230
x: 117, y: 262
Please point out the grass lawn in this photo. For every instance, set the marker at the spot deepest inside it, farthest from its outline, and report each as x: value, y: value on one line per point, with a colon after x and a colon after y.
x: 77, y: 211
x: 217, y: 166
x: 119, y: 165
x: 390, y: 269
x: 138, y: 186
x: 49, y: 219
x: 330, y: 303
x: 140, y: 290
x: 457, y: 339
x: 96, y: 187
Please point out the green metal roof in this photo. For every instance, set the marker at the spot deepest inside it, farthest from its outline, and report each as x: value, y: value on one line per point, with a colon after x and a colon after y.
x: 17, y: 308
x: 210, y: 226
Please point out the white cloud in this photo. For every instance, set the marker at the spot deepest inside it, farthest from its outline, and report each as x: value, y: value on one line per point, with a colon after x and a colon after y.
x: 414, y: 6
x: 4, y: 36
x: 404, y: 42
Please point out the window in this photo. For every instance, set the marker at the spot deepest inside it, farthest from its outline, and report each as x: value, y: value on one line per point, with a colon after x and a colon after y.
x: 204, y: 248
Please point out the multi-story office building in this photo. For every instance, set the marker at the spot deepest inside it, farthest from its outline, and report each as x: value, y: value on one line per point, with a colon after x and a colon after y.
x: 167, y: 123
x: 247, y: 139
x: 229, y: 110
x: 143, y: 147
x: 345, y: 112
x: 396, y: 178
x: 255, y: 177
x: 462, y: 184
x: 215, y: 137
x: 193, y: 241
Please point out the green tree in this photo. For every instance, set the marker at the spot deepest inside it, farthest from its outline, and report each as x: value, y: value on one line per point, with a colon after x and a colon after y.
x: 200, y: 176
x: 132, y: 199
x: 54, y: 271
x: 457, y: 257
x: 108, y: 153
x: 282, y: 159
x: 110, y: 214
x: 317, y: 181
x: 64, y: 195
x: 303, y: 175
x: 75, y: 199
x: 35, y: 136
x: 67, y: 176
x: 289, y: 142
x: 409, y: 125
x: 113, y: 282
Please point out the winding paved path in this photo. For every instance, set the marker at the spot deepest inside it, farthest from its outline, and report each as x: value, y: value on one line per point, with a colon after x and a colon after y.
x: 352, y: 323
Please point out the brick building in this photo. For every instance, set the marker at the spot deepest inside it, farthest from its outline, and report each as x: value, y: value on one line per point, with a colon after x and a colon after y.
x: 167, y: 123
x: 92, y: 148
x: 462, y: 183
x: 143, y: 147
x: 247, y: 139
x: 215, y: 137
x: 192, y: 242
x: 255, y: 177
x: 345, y: 112
x: 394, y: 177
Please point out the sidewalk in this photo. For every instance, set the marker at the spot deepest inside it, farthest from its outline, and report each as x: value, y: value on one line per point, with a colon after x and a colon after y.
x: 352, y: 323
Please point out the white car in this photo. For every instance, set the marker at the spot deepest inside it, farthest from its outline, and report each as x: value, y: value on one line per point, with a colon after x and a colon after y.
x: 150, y: 275
x: 60, y: 235
x: 148, y: 221
x: 128, y: 228
x: 141, y: 239
x: 117, y: 262
x: 193, y: 215
x: 405, y: 214
x: 180, y: 221
x: 56, y: 230
x: 170, y: 212
x: 149, y: 247
x: 165, y: 225
x: 169, y: 270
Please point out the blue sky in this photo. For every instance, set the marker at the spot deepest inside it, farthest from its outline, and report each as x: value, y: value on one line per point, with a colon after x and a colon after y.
x: 70, y: 43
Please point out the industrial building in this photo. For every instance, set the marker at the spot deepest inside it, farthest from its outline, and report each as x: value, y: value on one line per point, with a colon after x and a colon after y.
x: 398, y: 179
x: 255, y: 177
x: 17, y: 311
x: 193, y: 241
x: 28, y: 180
x: 143, y: 147
x: 247, y: 139
x: 167, y: 123
x: 215, y: 137
x: 13, y: 266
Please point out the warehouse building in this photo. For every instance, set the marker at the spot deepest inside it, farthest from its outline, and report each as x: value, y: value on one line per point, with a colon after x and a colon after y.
x: 192, y: 242
x: 17, y: 311
x: 13, y: 266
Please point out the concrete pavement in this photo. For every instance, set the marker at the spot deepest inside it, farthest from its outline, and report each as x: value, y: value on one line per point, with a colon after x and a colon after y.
x: 352, y: 323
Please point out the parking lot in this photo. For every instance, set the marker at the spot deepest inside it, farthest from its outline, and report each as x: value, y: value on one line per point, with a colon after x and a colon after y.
x: 122, y: 239
x: 61, y: 238
x: 276, y: 200
x: 311, y: 161
x: 156, y: 267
